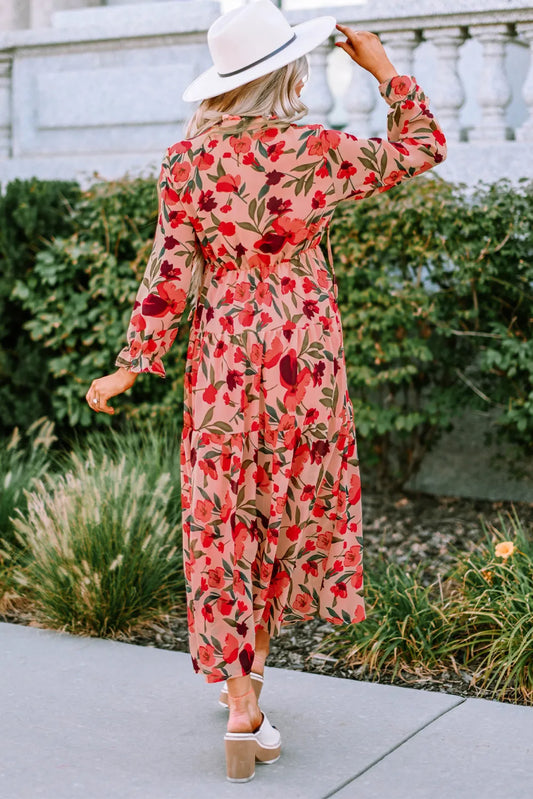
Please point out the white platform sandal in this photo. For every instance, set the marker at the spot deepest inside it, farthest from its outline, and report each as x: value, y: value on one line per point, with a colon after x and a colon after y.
x: 257, y: 684
x: 243, y: 749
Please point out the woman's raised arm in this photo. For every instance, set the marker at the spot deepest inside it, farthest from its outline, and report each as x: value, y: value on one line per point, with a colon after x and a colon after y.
x: 414, y: 144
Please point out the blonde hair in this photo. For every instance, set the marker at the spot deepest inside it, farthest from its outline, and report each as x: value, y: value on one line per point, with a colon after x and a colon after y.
x: 274, y: 93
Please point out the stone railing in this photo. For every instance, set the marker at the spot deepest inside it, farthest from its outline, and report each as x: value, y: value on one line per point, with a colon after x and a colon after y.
x: 100, y: 89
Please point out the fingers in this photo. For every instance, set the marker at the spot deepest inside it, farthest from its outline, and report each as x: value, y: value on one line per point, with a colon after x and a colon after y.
x: 348, y: 32
x: 354, y: 37
x: 100, y: 405
x: 365, y: 48
x: 103, y: 407
x: 97, y: 399
x: 351, y: 39
x: 351, y: 32
x: 346, y: 47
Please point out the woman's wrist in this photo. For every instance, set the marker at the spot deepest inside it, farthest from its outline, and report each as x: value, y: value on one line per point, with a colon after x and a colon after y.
x: 385, y: 73
x: 128, y: 377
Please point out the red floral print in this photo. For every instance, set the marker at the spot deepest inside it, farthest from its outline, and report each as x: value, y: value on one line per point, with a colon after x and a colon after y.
x: 270, y: 482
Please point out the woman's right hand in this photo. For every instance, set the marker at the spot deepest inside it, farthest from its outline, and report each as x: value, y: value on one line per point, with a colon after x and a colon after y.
x: 103, y: 388
x: 365, y: 49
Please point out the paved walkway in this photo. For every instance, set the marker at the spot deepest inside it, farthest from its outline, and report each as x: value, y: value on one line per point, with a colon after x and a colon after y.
x: 96, y: 719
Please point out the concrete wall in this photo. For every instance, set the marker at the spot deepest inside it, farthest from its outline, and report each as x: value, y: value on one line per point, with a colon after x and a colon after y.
x: 464, y: 464
x: 100, y: 90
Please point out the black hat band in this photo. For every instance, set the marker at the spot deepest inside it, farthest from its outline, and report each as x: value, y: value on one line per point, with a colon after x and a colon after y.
x: 259, y: 60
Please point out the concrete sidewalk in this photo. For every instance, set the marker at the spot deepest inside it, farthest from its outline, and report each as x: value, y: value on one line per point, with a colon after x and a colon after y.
x: 98, y: 719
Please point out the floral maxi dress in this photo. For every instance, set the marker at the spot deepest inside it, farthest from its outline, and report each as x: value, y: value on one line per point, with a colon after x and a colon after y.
x: 270, y: 481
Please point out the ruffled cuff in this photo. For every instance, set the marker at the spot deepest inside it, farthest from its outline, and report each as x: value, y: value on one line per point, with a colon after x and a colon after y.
x: 140, y: 362
x: 398, y: 88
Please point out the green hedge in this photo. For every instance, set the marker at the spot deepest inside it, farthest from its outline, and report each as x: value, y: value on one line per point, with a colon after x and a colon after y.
x: 31, y: 212
x: 435, y: 291
x: 80, y: 294
x: 435, y: 285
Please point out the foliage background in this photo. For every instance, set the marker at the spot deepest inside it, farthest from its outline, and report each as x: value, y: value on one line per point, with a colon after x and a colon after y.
x: 435, y: 291
x: 435, y: 287
x: 30, y: 212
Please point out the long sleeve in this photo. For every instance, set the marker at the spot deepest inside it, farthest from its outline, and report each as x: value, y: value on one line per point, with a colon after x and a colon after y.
x: 414, y: 144
x: 162, y: 295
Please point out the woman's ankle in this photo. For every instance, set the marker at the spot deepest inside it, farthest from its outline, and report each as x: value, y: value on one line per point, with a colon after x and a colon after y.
x: 244, y: 712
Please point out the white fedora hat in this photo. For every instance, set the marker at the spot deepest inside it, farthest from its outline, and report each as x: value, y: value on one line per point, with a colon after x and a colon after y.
x: 252, y: 41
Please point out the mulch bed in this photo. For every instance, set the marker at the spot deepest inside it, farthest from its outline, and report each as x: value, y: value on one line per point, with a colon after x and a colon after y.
x: 408, y: 528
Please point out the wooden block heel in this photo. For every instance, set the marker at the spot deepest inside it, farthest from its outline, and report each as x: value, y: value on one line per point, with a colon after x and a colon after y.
x: 267, y: 756
x: 243, y: 749
x: 240, y: 757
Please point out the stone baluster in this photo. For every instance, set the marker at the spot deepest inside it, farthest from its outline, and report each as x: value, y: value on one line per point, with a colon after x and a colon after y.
x: 525, y: 131
x: 400, y: 47
x: 5, y: 105
x: 494, y: 92
x: 448, y: 94
x: 318, y: 96
x: 359, y: 102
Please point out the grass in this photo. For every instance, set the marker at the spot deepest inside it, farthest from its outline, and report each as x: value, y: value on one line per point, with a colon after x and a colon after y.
x: 102, y: 554
x: 153, y: 446
x: 406, y: 626
x: 493, y: 616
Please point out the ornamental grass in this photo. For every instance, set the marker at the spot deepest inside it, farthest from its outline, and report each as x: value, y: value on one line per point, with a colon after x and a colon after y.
x: 152, y: 445
x: 102, y: 554
x: 24, y: 458
x: 90, y: 539
x: 493, y: 616
x: 406, y: 627
x: 478, y: 617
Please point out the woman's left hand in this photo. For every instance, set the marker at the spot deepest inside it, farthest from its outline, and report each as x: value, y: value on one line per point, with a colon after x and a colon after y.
x: 103, y: 388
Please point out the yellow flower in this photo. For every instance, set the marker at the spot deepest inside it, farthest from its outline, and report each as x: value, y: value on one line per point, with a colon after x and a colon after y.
x: 504, y: 549
x: 487, y: 575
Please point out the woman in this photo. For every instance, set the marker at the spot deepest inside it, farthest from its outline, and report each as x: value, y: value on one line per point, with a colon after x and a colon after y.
x: 269, y: 471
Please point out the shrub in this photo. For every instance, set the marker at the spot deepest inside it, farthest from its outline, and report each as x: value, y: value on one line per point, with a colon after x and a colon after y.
x: 406, y: 625
x: 102, y: 555
x: 153, y: 446
x: 32, y: 212
x: 435, y: 290
x: 488, y: 296
x: 477, y: 616
x: 81, y: 293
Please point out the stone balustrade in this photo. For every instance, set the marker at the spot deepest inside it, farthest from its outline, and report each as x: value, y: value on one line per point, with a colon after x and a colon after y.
x: 98, y: 88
